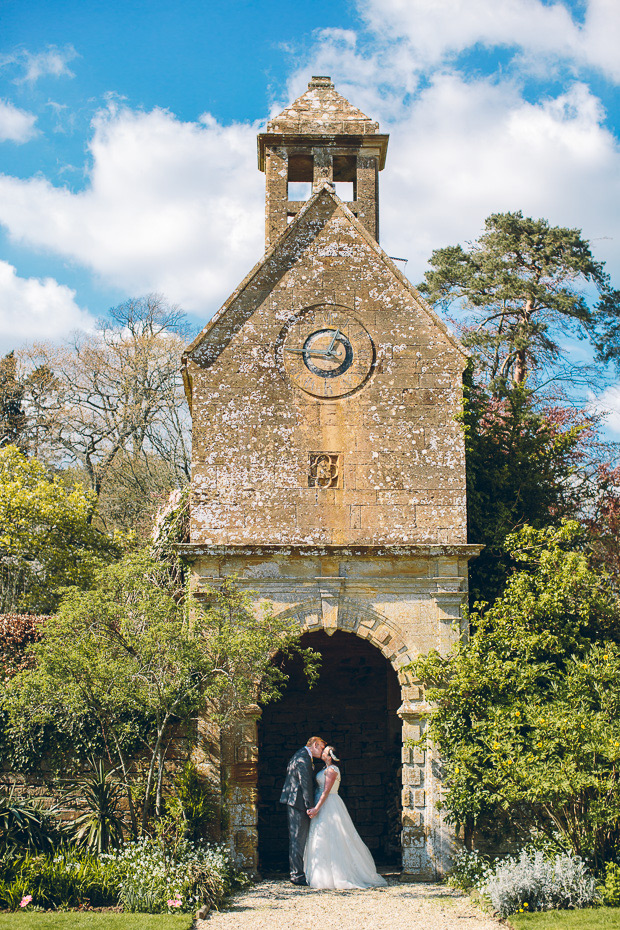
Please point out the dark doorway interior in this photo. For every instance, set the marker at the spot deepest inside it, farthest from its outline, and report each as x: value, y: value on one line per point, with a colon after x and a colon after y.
x: 353, y: 706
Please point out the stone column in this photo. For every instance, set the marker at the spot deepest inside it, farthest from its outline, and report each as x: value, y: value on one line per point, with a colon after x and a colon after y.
x: 367, y: 189
x: 241, y: 774
x: 417, y: 796
x: 429, y: 844
x: 323, y: 168
x: 276, y: 193
x: 206, y: 756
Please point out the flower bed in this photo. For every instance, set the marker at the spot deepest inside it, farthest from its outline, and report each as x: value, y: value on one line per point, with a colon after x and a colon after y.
x: 140, y: 877
x: 154, y: 881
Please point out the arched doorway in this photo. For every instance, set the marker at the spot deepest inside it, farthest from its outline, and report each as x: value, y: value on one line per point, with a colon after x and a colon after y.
x: 353, y: 706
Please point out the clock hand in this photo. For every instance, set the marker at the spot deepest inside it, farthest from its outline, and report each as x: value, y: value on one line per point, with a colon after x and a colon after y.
x: 331, y: 345
x: 330, y: 352
x: 307, y: 352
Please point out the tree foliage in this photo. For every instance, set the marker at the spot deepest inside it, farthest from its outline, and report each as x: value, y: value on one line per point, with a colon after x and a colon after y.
x: 527, y: 712
x: 603, y: 519
x: 525, y: 465
x: 17, y: 633
x: 522, y: 286
x: 47, y: 539
x: 28, y: 399
x: 130, y: 655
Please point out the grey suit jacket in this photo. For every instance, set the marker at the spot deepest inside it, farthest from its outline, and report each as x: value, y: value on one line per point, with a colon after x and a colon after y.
x: 298, y: 790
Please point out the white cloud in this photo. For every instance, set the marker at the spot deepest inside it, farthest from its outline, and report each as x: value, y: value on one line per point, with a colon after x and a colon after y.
x: 601, y: 31
x: 379, y: 81
x: 461, y: 149
x: 608, y: 406
x: 33, y: 309
x: 177, y: 207
x: 468, y: 149
x: 53, y: 63
x: 16, y: 125
x: 170, y: 206
x: 435, y: 30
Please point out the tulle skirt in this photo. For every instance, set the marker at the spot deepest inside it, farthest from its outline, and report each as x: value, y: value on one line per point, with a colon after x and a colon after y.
x: 336, y: 856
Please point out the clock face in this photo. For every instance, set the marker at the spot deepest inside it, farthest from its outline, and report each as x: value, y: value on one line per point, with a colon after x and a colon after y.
x: 327, y: 352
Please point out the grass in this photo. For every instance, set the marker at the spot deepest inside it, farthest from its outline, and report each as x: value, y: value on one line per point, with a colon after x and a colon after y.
x: 73, y: 920
x: 587, y: 918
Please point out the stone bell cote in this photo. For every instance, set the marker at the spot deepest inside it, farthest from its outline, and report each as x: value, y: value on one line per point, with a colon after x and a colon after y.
x: 320, y: 137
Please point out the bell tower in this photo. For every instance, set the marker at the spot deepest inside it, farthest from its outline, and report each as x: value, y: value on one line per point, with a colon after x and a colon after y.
x: 321, y: 137
x: 328, y: 476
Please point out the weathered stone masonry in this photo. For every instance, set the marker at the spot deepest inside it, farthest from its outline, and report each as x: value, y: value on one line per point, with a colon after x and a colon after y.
x: 328, y: 468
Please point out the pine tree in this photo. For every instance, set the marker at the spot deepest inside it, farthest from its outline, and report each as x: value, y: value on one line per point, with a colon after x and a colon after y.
x: 12, y: 416
x: 521, y: 288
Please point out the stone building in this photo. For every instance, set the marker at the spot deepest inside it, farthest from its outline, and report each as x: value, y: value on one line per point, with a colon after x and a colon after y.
x: 329, y: 475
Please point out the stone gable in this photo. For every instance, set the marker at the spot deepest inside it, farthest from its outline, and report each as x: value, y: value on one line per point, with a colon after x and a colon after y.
x: 399, y: 443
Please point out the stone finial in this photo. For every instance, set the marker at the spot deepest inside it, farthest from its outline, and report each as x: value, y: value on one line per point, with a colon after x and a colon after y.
x: 320, y: 81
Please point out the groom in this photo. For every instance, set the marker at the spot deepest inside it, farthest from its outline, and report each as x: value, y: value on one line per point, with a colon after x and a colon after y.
x: 298, y: 795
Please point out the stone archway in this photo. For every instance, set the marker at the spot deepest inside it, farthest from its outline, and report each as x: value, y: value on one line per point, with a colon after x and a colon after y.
x: 355, y: 706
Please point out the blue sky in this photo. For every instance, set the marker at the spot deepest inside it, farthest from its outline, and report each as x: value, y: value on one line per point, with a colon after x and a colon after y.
x: 127, y: 135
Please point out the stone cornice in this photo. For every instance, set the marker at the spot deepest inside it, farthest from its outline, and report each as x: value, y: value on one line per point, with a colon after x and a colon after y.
x: 410, y: 550
x: 376, y: 143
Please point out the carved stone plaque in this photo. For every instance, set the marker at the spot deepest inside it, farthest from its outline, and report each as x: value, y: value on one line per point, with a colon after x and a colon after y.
x: 325, y: 470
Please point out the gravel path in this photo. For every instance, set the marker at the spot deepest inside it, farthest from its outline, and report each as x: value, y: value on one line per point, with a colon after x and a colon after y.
x: 278, y: 905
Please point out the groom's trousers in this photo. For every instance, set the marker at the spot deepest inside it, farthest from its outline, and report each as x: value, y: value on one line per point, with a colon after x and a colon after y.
x: 298, y: 827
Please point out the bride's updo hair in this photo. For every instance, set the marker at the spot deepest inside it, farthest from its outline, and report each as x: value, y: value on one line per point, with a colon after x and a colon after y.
x: 332, y: 754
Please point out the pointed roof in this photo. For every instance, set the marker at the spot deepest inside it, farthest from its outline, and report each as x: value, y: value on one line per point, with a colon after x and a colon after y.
x: 322, y: 110
x: 323, y: 114
x: 229, y: 319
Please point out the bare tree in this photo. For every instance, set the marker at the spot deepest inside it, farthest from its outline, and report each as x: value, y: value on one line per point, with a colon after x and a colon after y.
x: 113, y: 399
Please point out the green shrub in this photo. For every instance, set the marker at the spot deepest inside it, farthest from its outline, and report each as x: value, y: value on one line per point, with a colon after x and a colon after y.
x: 195, y: 803
x: 68, y: 879
x: 535, y: 882
x: 610, y: 888
x: 100, y: 826
x: 25, y: 824
x: 143, y: 876
x: 527, y: 709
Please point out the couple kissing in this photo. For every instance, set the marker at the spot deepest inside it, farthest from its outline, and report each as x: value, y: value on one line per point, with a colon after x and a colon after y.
x: 325, y: 849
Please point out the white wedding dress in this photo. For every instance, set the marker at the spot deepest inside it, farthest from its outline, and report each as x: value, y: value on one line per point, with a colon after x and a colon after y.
x: 336, y: 856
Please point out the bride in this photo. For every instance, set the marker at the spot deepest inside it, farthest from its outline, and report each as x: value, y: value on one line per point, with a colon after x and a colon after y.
x: 336, y: 856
